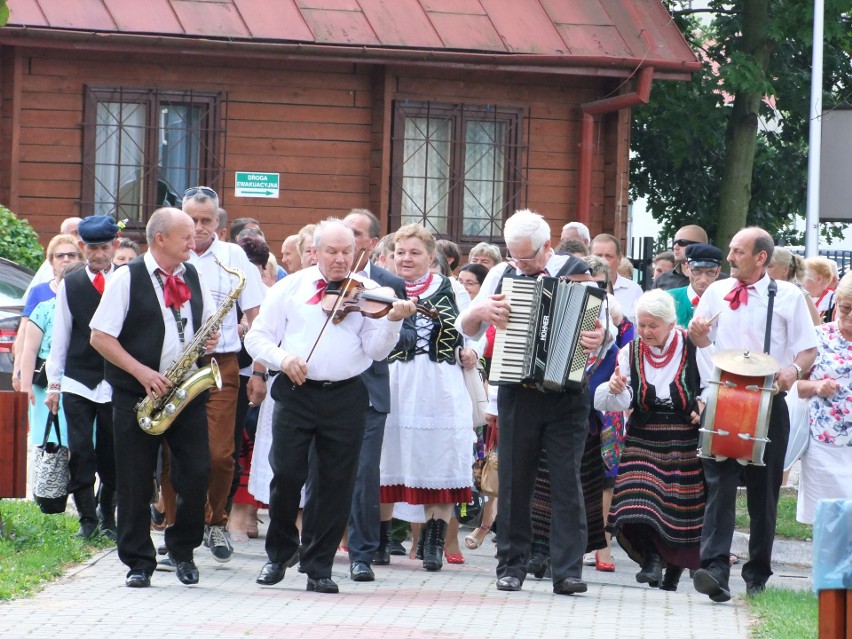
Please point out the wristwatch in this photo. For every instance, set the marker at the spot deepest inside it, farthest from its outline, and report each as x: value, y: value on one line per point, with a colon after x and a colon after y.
x: 264, y: 375
x: 799, y: 371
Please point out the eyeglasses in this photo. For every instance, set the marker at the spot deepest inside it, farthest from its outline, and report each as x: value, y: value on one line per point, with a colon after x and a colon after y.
x: 66, y: 256
x: 524, y: 260
x: 844, y: 309
x: 684, y: 243
x: 204, y: 190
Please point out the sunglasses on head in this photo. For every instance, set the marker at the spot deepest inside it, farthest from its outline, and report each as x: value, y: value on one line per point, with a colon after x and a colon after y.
x: 204, y: 190
x: 684, y: 242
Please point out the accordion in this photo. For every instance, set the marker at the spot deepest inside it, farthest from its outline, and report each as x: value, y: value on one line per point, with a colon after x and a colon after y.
x: 541, y: 344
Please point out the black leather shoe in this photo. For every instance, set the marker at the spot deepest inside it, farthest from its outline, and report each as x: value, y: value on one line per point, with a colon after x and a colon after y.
x: 397, y: 549
x: 187, y: 572
x: 754, y: 589
x: 271, y: 573
x: 509, y: 584
x: 137, y: 579
x: 88, y: 530
x: 671, y: 578
x: 712, y: 585
x: 570, y: 586
x: 323, y: 584
x: 361, y: 571
x: 652, y: 571
x: 538, y: 565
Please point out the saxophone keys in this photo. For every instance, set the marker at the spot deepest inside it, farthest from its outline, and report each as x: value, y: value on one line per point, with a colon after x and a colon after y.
x: 145, y: 423
x: 170, y: 409
x: 181, y: 394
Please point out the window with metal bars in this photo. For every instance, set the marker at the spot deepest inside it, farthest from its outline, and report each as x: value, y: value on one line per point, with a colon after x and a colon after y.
x: 142, y: 148
x: 456, y: 168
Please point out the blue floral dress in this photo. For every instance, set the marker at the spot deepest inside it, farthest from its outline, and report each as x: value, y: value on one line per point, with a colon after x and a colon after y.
x: 42, y: 317
x: 831, y: 418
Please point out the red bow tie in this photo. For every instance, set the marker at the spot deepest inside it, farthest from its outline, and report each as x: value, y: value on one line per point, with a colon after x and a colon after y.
x: 321, y: 286
x: 738, y: 295
x: 175, y: 291
x: 695, y: 301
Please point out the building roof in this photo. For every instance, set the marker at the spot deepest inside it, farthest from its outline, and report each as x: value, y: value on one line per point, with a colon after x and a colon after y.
x: 614, y: 34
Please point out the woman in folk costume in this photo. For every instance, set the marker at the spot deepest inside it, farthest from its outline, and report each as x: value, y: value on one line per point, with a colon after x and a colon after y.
x: 429, y: 436
x: 658, y: 505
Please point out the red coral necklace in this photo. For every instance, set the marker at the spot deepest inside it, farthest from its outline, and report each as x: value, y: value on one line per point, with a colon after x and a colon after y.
x: 661, y: 360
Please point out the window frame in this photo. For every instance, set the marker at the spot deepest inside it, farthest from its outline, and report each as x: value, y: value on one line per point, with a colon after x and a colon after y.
x: 514, y: 179
x: 210, y: 140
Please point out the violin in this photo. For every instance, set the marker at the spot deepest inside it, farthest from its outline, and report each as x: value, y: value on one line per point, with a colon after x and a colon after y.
x: 373, y: 302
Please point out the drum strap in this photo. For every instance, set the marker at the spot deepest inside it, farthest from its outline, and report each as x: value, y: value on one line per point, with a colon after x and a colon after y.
x: 772, y: 289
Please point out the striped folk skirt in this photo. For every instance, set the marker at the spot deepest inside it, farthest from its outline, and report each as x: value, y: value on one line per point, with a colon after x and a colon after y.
x: 659, y: 492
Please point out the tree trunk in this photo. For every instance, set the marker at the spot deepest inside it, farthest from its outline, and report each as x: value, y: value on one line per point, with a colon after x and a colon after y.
x: 741, y: 134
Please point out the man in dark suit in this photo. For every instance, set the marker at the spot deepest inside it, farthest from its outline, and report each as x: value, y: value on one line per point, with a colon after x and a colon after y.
x: 369, y: 537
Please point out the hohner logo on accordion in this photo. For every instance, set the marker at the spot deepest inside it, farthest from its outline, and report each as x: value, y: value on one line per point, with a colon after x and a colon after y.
x: 541, y: 344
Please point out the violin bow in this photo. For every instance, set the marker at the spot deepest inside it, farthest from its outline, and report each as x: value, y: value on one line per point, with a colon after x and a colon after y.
x: 337, y: 303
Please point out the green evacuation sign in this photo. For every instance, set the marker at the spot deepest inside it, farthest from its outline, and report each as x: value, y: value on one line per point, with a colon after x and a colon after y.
x: 255, y: 184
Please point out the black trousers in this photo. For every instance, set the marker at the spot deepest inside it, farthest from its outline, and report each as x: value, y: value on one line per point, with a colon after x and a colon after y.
x: 332, y: 421
x: 92, y: 449
x: 530, y: 420
x: 365, y: 516
x: 136, y: 463
x: 763, y: 485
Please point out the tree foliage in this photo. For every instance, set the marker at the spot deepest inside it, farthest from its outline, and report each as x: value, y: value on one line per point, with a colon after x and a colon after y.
x: 679, y: 137
x: 18, y: 240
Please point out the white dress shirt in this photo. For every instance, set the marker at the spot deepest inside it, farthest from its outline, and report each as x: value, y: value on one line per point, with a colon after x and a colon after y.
x: 221, y: 283
x: 287, y: 325
x: 489, y: 285
x: 626, y: 292
x: 745, y: 328
x: 55, y: 365
x: 112, y: 311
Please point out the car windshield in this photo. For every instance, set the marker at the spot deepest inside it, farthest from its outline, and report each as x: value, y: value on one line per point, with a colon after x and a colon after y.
x: 13, y: 283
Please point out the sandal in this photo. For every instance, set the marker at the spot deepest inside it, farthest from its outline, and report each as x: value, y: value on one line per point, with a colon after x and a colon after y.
x: 472, y: 541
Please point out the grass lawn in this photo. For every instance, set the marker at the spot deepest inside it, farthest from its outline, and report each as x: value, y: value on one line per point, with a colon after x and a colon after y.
x: 785, y: 614
x: 35, y: 548
x: 787, y: 526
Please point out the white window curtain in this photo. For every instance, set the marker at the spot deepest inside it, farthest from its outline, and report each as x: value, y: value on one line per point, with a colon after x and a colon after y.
x: 119, y: 159
x: 179, y: 148
x: 484, y: 171
x: 426, y: 172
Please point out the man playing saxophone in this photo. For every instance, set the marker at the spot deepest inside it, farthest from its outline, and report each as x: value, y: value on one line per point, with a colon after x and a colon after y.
x: 148, y: 317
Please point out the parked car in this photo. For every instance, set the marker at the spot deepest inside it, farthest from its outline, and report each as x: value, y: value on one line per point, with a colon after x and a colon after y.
x: 14, y: 280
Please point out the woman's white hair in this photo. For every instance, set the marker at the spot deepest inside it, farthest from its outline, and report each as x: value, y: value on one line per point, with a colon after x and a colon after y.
x: 657, y: 303
x: 527, y: 224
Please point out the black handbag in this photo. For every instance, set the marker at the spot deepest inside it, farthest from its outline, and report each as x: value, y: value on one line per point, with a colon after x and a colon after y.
x: 50, y: 471
x: 40, y: 373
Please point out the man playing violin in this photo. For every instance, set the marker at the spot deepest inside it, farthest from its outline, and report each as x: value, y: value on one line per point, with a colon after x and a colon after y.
x: 321, y: 400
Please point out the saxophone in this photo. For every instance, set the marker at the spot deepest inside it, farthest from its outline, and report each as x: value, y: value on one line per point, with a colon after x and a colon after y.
x: 156, y: 416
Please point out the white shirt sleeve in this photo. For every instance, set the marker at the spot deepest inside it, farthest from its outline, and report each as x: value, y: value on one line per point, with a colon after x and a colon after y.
x: 55, y: 364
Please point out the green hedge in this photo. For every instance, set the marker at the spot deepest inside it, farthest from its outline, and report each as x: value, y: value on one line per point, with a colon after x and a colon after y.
x: 19, y: 241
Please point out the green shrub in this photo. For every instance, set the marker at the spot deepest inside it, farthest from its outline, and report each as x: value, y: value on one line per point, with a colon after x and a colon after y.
x: 18, y: 240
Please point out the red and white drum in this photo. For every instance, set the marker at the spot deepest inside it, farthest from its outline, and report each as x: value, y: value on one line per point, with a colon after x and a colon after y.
x: 739, y: 401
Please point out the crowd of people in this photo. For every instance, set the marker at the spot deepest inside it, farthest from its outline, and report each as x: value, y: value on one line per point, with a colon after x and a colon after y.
x: 333, y: 389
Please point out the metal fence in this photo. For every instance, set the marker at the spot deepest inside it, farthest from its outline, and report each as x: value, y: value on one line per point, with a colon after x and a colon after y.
x: 642, y: 252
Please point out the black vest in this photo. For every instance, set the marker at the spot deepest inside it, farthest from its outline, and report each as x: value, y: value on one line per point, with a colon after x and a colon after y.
x: 143, y: 331
x: 82, y: 362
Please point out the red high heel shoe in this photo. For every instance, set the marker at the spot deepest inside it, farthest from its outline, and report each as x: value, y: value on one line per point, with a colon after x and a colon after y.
x: 603, y: 566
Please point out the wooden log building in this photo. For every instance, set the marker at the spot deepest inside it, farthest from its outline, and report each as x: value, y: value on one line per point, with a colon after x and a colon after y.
x: 453, y: 113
